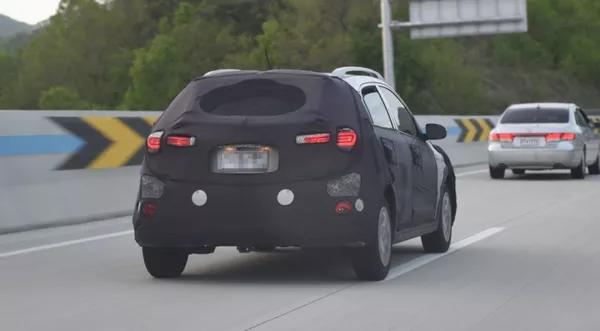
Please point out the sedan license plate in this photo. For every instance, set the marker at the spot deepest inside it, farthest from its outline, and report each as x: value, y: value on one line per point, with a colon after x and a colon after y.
x: 244, y: 159
x: 530, y: 142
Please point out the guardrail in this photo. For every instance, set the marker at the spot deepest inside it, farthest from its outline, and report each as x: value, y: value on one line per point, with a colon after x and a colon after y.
x: 66, y: 167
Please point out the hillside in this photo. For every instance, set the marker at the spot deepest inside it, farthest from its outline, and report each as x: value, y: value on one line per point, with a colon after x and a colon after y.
x: 10, y: 27
x: 138, y: 54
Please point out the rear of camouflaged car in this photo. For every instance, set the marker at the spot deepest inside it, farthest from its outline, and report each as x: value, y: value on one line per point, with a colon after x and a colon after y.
x: 249, y: 158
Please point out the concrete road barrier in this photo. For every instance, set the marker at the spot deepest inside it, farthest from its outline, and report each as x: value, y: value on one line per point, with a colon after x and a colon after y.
x: 66, y: 167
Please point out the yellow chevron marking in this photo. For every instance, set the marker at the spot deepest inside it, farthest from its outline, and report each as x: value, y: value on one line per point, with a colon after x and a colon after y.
x: 150, y: 119
x: 125, y: 144
x: 485, y: 129
x: 471, y: 129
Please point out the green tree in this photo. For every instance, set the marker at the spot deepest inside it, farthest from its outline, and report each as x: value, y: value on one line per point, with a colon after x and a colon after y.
x: 60, y: 98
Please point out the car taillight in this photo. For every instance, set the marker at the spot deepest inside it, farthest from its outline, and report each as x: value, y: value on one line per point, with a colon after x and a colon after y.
x: 508, y: 137
x: 346, y: 138
x: 315, y: 138
x: 560, y: 136
x: 154, y: 141
x: 181, y: 141
x: 504, y: 137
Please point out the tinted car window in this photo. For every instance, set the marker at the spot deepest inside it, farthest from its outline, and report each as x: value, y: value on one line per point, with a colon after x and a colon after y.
x: 253, y: 97
x: 580, y: 119
x: 534, y: 115
x: 377, y: 109
x: 404, y: 119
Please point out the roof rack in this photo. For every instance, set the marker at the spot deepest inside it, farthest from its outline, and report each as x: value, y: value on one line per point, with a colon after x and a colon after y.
x: 344, y: 72
x: 219, y: 71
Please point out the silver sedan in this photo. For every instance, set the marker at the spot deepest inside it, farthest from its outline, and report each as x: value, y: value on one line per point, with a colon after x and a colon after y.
x: 544, y: 136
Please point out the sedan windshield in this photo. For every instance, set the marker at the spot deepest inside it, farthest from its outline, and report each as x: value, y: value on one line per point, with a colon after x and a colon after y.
x: 535, y: 115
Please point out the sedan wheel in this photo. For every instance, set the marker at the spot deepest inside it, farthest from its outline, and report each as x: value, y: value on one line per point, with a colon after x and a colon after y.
x: 580, y: 171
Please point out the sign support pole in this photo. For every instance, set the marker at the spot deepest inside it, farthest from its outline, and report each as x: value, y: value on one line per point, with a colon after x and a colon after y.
x: 450, y: 18
x: 388, y: 44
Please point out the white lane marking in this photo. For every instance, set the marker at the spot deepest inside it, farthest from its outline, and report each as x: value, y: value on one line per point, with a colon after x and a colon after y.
x: 65, y: 243
x: 394, y: 273
x: 425, y: 259
x: 468, y: 173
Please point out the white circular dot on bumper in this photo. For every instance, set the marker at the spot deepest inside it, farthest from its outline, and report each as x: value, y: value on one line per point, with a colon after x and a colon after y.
x: 285, y: 197
x: 199, y: 198
x: 359, y: 205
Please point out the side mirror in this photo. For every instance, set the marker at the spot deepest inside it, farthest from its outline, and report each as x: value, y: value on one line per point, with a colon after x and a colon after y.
x: 595, y: 125
x: 435, y: 131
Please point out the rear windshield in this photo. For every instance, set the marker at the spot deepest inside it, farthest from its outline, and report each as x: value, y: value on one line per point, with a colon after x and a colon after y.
x: 253, y: 97
x: 534, y: 115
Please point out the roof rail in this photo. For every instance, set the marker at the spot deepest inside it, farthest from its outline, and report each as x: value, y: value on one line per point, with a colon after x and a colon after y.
x: 344, y: 71
x: 219, y: 71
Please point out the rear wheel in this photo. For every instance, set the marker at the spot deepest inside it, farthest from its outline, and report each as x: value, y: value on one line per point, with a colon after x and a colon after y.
x: 518, y: 171
x: 164, y: 262
x: 579, y: 171
x: 496, y: 173
x: 594, y: 169
x: 439, y: 241
x: 373, y: 262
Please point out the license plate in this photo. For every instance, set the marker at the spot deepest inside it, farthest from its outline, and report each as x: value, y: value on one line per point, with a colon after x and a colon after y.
x: 244, y: 159
x: 530, y: 142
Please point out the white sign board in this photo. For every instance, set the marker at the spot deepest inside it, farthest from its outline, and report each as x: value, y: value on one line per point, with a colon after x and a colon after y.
x: 455, y: 18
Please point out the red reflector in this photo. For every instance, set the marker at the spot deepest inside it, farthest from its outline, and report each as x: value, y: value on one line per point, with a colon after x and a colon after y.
x: 347, y: 138
x: 181, y: 141
x: 317, y: 138
x: 343, y: 207
x: 153, y: 142
x: 149, y: 209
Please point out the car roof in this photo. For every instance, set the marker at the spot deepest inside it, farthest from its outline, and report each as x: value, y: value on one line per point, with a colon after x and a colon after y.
x: 542, y: 105
x: 344, y: 73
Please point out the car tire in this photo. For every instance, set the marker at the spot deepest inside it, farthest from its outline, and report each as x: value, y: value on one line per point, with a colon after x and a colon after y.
x: 518, y: 172
x: 164, y: 262
x: 372, y: 263
x: 594, y: 169
x: 579, y: 172
x: 439, y: 241
x: 496, y: 173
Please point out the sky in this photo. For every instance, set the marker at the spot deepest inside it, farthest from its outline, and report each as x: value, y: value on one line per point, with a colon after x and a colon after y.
x: 29, y: 11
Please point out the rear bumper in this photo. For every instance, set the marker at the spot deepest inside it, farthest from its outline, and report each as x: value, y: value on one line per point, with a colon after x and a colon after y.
x: 564, y: 156
x: 252, y: 215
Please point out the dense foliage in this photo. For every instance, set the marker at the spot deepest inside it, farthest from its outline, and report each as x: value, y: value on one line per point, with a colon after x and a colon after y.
x: 137, y: 54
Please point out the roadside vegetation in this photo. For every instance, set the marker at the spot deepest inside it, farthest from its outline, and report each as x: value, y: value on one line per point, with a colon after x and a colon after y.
x: 138, y: 54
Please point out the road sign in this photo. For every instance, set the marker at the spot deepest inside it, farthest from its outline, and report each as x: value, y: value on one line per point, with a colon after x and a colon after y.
x: 109, y: 142
x: 452, y: 18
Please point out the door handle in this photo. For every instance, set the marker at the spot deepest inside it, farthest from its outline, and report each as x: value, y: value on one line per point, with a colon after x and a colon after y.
x: 416, y: 155
x: 388, y: 149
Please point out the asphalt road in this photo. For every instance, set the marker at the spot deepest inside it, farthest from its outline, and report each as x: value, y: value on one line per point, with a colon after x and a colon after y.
x: 526, y: 256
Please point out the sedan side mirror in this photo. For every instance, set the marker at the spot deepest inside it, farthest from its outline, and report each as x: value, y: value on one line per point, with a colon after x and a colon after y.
x: 595, y: 125
x: 435, y: 131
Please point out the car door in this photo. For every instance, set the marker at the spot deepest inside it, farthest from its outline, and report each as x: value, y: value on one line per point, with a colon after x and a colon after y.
x: 592, y: 138
x: 425, y: 183
x: 395, y: 147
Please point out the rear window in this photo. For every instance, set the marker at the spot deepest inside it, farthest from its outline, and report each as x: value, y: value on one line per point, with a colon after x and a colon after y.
x: 253, y: 97
x: 534, y: 115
